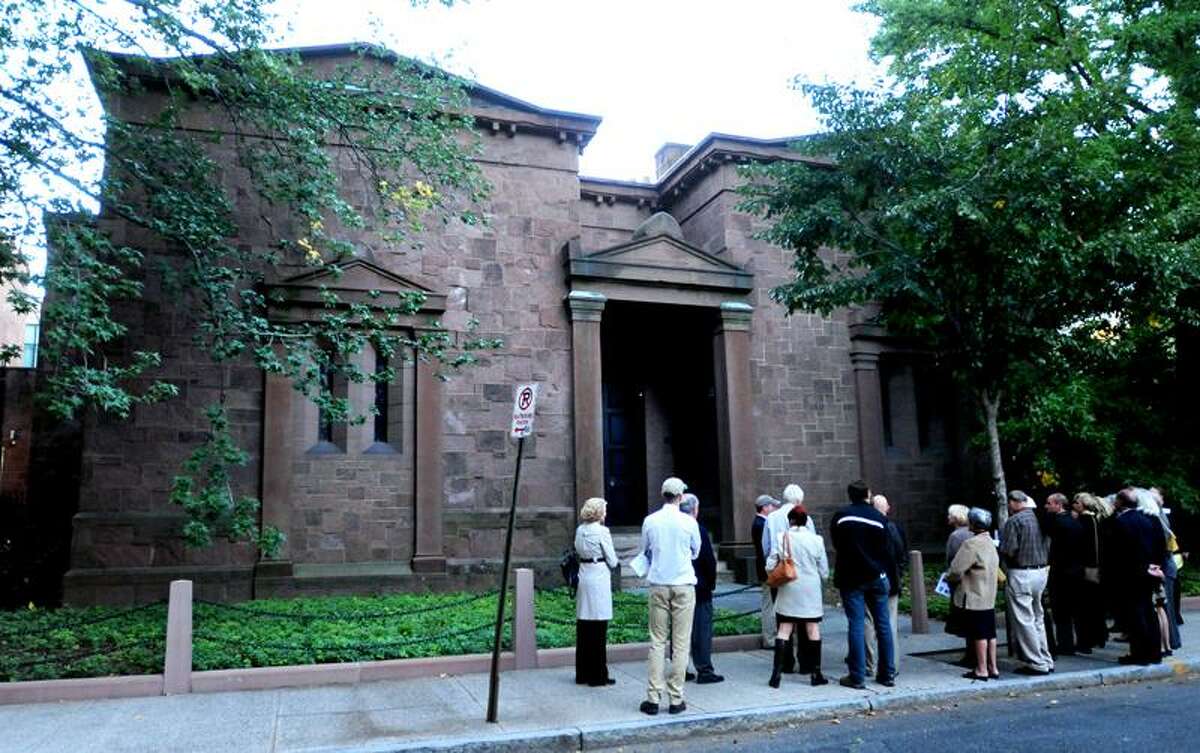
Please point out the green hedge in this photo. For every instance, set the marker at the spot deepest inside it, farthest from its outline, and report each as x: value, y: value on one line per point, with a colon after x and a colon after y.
x: 92, y: 642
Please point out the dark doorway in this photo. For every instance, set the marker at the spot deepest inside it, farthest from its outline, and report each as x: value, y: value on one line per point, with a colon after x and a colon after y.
x: 660, y: 415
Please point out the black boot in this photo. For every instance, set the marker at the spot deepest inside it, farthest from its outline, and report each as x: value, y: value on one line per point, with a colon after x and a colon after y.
x: 782, y: 649
x: 789, y: 659
x: 803, y: 658
x: 814, y: 662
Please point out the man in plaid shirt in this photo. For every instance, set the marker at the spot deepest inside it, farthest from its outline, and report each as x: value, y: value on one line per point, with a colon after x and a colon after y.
x: 1026, y: 555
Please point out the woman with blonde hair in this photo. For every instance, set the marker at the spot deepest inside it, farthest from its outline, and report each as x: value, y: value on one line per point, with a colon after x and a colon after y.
x: 956, y: 518
x: 974, y: 569
x: 1091, y: 630
x: 593, y: 599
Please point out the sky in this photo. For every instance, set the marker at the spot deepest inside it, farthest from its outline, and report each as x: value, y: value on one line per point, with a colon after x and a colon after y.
x: 656, y: 71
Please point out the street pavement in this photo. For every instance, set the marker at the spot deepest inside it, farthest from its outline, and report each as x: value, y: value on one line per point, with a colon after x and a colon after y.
x: 1154, y: 717
x: 540, y: 709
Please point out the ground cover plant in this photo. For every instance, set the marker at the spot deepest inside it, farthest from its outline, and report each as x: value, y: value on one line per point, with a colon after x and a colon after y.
x: 38, y: 644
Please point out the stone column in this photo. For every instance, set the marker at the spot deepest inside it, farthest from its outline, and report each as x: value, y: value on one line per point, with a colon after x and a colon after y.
x: 278, y: 450
x: 864, y: 356
x: 428, y: 556
x: 735, y: 420
x: 586, y: 310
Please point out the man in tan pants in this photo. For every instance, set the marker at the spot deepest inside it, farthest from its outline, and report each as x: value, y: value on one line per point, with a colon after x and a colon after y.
x: 670, y: 540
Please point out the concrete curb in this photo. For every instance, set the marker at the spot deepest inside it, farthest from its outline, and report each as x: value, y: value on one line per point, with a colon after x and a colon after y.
x: 659, y: 730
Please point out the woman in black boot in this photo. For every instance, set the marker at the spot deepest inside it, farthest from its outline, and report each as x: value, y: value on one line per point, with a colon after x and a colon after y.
x: 798, y: 602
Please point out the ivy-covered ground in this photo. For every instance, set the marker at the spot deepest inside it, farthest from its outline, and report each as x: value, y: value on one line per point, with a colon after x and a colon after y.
x: 40, y: 644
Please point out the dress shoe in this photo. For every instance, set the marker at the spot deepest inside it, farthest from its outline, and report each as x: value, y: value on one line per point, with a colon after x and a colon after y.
x: 709, y: 679
x: 886, y: 682
x: 850, y: 682
x: 648, y: 708
x: 993, y: 675
x: 972, y: 676
x: 1031, y: 671
x: 689, y: 676
x: 677, y: 708
x: 818, y: 679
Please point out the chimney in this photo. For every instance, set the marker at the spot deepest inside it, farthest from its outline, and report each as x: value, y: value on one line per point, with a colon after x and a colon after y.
x: 666, y: 157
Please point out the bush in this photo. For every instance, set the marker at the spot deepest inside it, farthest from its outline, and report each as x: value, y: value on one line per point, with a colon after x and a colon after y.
x: 92, y: 642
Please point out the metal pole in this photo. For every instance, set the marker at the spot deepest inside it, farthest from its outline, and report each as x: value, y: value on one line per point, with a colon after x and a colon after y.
x: 494, y: 681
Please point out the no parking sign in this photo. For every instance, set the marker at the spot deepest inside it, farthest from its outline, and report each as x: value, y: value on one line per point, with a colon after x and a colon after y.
x: 523, y: 407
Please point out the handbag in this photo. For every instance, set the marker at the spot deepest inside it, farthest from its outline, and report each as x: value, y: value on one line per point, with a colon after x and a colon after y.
x: 785, y: 570
x: 1092, y: 574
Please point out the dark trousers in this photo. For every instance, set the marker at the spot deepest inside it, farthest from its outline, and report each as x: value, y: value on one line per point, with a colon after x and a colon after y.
x: 1135, y: 612
x: 1064, y: 606
x: 1091, y: 627
x: 702, y: 627
x: 591, y: 652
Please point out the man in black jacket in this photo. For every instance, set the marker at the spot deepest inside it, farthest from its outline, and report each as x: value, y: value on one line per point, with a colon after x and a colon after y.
x: 1066, y: 573
x: 705, y: 566
x: 1134, y: 548
x: 763, y: 506
x: 864, y: 571
x: 898, y: 543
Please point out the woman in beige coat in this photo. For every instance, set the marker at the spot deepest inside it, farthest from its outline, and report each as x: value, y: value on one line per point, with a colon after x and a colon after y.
x: 974, y: 570
x: 798, y: 604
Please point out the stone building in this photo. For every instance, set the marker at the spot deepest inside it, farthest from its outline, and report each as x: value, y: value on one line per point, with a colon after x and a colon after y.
x: 641, y: 309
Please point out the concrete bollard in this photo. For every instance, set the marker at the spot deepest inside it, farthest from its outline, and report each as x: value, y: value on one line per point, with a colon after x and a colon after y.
x: 177, y: 663
x: 524, y: 624
x: 920, y: 604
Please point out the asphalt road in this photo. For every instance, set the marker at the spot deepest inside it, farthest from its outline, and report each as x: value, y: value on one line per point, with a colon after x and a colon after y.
x: 1160, y: 717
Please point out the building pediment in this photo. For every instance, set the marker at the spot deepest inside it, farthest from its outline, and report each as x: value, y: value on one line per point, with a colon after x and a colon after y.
x: 659, y: 260
x: 355, y: 281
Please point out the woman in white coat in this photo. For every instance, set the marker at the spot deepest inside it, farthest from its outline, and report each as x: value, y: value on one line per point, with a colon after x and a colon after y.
x: 798, y: 603
x: 593, y: 599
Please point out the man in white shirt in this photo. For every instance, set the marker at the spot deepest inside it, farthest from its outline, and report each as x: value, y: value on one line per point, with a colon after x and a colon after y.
x: 777, y: 523
x: 671, y: 540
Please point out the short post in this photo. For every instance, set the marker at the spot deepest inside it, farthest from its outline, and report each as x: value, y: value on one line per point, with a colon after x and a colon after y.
x: 177, y: 663
x: 524, y: 624
x: 920, y: 604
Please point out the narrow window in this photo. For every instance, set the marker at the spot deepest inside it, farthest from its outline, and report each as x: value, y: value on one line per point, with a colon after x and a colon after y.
x: 324, y: 420
x: 29, y: 357
x: 381, y: 400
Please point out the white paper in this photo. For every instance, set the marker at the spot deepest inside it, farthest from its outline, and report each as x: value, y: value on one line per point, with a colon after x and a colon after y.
x: 943, y: 587
x: 640, y: 565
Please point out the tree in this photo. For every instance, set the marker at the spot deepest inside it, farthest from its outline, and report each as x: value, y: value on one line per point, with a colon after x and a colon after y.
x: 370, y: 149
x: 1023, y: 175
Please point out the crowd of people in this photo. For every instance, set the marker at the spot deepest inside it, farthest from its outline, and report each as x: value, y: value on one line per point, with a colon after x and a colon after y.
x: 1091, y: 558
x: 1088, y: 559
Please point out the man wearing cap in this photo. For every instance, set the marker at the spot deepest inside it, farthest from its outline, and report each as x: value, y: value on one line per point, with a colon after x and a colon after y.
x: 1026, y: 556
x: 776, y: 524
x: 763, y: 506
x: 670, y: 540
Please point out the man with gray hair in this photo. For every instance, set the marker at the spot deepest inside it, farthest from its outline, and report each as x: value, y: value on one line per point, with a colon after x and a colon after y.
x: 898, y: 543
x: 705, y: 567
x: 763, y: 506
x: 1026, y: 555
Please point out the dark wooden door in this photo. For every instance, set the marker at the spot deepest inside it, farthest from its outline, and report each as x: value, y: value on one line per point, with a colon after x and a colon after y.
x: 624, y: 455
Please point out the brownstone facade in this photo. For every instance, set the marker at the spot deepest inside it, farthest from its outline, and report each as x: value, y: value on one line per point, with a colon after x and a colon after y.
x: 658, y: 352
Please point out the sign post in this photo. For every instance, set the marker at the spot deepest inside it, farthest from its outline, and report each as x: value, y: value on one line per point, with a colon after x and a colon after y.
x: 522, y: 426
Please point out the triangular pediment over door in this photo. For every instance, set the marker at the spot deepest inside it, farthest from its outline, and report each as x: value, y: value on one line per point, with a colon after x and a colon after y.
x: 359, y: 281
x: 659, y: 260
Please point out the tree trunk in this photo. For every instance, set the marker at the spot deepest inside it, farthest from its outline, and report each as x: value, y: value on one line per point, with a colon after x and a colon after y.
x: 991, y: 409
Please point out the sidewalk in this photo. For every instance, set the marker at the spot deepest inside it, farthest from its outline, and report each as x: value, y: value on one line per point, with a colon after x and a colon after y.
x: 540, y: 709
